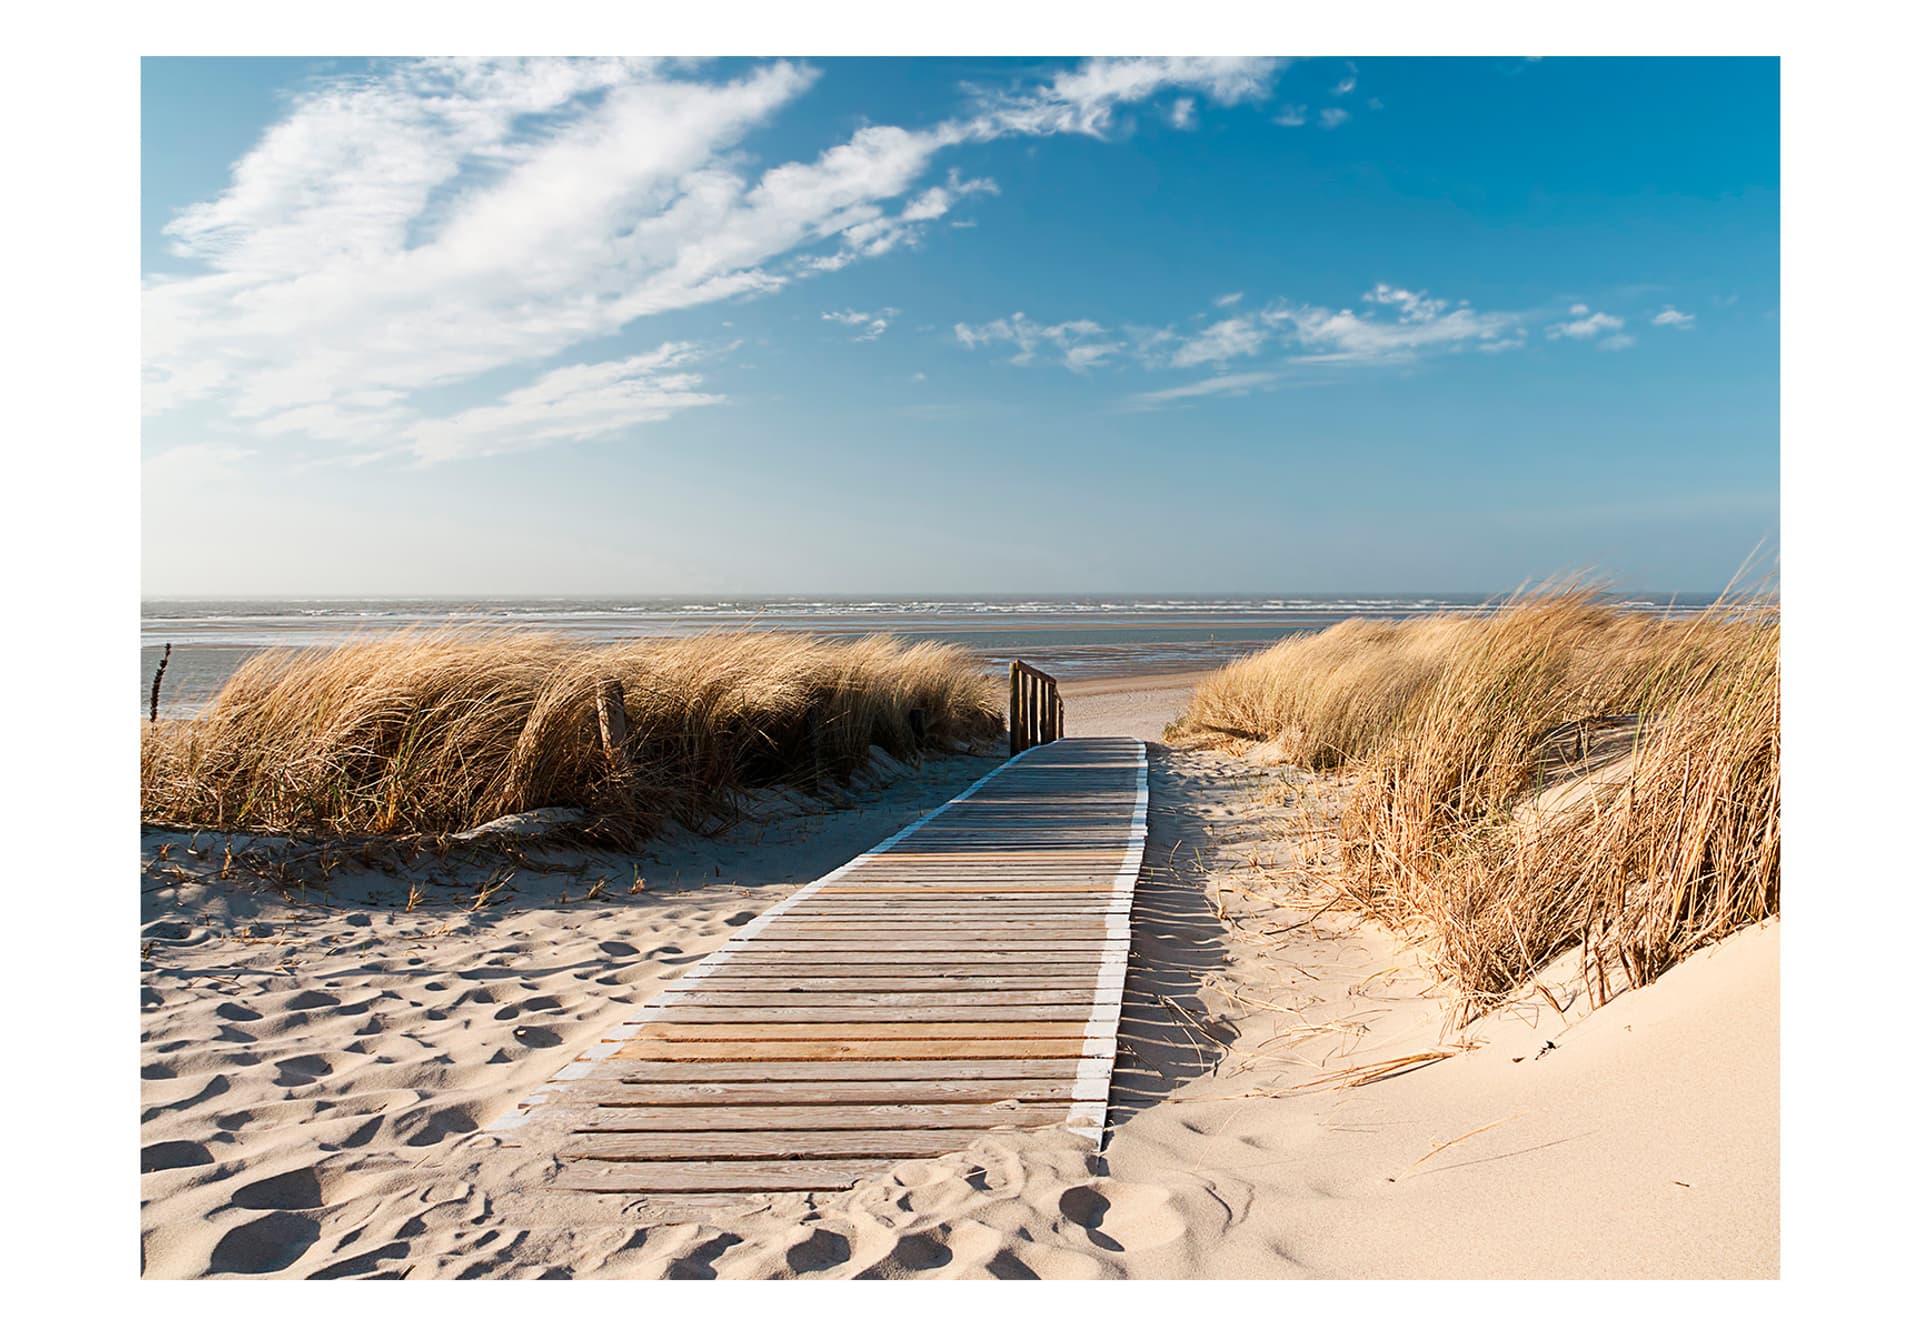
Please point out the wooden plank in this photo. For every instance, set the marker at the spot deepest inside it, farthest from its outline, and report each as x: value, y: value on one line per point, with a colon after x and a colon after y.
x: 720, y: 1146
x: 916, y: 1049
x: 708, y: 998
x: 640, y: 1073
x: 857, y: 1029
x: 939, y: 988
x: 815, y: 1092
x: 1083, y: 973
x: 676, y: 1178
x: 915, y: 943
x: 1074, y: 1012
x: 718, y: 988
x: 649, y: 1122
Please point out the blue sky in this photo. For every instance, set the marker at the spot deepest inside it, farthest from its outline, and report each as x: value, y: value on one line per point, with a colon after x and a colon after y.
x: 956, y: 326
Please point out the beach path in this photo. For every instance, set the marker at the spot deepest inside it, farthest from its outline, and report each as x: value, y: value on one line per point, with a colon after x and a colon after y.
x: 963, y: 976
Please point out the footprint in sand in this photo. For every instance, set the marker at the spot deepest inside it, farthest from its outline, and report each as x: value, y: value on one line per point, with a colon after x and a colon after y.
x: 264, y: 1246
x: 298, y: 1070
x: 698, y: 1263
x: 298, y: 1189
x: 312, y: 1000
x: 236, y: 1013
x: 915, y: 1253
x: 170, y: 1154
x: 824, y: 1249
x: 1120, y: 1217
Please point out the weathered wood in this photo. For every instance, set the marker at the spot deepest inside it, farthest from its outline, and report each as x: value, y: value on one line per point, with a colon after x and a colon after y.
x: 906, y: 1049
x: 153, y: 707
x: 676, y: 1178
x: 942, y: 1010
x: 1014, y: 696
x: 1010, y: 1113
x: 610, y: 701
x: 870, y: 1029
x: 878, y: 990
x: 961, y: 980
x: 697, y: 1146
x: 772, y: 1073
x: 878, y: 1094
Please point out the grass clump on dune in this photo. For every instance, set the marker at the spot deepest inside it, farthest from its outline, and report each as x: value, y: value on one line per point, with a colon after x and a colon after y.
x: 428, y: 733
x: 1481, y: 819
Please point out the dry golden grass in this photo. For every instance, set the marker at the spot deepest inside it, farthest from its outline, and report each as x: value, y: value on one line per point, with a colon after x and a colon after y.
x: 423, y: 733
x: 1475, y: 822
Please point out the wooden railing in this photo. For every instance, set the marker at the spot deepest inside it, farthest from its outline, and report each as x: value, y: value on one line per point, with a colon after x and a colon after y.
x: 1035, y: 712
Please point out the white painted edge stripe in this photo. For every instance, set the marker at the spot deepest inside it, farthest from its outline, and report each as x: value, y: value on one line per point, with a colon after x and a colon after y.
x: 1094, y: 1077
x: 588, y: 1061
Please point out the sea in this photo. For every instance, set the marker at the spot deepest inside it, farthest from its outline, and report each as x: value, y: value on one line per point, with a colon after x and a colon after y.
x: 1071, y: 637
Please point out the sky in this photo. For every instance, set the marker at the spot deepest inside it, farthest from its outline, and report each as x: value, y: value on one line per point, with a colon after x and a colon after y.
x: 607, y: 328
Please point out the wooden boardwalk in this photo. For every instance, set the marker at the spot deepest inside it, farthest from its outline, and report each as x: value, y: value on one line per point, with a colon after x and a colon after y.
x: 965, y: 975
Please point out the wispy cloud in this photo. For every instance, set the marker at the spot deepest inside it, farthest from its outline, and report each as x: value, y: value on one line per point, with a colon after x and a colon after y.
x: 870, y: 323
x: 1586, y: 323
x: 1216, y: 386
x: 1238, y: 337
x: 582, y: 402
x: 1332, y: 118
x: 1292, y: 115
x: 1670, y: 318
x: 1393, y: 324
x: 1229, y: 299
x: 1349, y: 83
x: 436, y: 221
x: 1076, y: 344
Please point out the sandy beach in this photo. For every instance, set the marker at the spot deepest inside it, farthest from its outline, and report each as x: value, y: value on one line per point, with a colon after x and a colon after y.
x: 317, y: 1073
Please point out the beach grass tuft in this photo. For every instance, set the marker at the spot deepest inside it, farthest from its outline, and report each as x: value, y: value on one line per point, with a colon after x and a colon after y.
x: 1559, y: 772
x: 429, y: 732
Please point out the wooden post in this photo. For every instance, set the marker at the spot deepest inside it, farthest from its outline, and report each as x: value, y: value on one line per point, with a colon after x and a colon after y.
x: 1013, y: 707
x: 611, y: 702
x: 1061, y: 713
x: 153, y: 707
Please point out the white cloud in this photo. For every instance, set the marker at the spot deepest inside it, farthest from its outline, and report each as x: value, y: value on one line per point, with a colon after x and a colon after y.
x: 1401, y: 326
x: 1673, y: 319
x: 1230, y: 385
x: 1587, y: 323
x: 1419, y: 325
x: 1239, y: 337
x: 1333, y: 117
x: 871, y: 323
x: 573, y: 403
x: 1083, y: 100
x: 1291, y: 115
x: 436, y: 221
x: 1180, y: 114
x: 1230, y: 299
x: 1079, y: 344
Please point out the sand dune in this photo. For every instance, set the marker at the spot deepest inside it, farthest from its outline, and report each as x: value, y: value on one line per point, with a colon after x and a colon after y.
x: 316, y: 1078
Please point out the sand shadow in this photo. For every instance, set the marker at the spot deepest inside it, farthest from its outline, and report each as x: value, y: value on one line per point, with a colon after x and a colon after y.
x: 1164, y: 1040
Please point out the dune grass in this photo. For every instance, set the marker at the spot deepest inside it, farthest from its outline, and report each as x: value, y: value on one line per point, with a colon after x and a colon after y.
x: 1467, y: 827
x: 435, y: 732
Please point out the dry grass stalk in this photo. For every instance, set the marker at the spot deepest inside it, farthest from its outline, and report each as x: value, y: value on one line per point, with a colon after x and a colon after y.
x: 423, y: 733
x: 1480, y: 823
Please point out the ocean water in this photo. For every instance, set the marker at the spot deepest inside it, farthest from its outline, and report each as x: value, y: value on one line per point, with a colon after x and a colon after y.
x: 1111, y: 635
